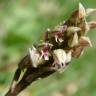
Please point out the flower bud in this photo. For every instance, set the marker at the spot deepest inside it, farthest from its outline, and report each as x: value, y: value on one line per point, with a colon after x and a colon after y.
x: 85, y: 41
x: 82, y: 12
x: 77, y: 51
x: 89, y: 11
x: 73, y: 41
x: 72, y: 29
x: 92, y: 24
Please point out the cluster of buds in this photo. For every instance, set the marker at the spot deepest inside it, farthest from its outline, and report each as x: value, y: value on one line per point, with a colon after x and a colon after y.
x: 65, y: 41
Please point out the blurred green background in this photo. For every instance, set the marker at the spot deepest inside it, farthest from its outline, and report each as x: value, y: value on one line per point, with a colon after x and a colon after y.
x: 22, y: 23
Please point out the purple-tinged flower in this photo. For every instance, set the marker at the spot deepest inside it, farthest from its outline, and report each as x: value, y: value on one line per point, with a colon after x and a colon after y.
x: 58, y: 33
x: 45, y: 50
x: 58, y: 36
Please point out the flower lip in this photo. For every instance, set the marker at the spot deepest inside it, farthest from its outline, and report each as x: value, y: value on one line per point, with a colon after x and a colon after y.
x: 45, y: 55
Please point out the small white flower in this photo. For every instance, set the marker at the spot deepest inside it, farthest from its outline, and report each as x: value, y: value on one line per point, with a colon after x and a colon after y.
x: 59, y: 56
x: 34, y: 56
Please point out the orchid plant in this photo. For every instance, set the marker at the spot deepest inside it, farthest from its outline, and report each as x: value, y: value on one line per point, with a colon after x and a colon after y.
x: 55, y: 52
